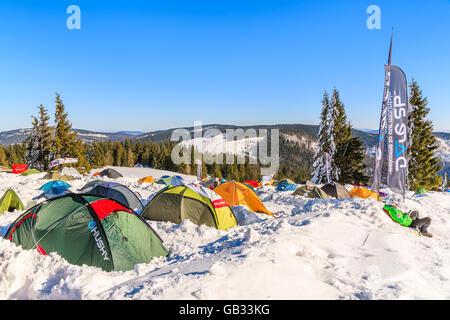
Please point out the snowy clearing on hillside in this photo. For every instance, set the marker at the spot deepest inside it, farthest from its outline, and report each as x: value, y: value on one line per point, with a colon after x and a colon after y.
x: 313, y: 249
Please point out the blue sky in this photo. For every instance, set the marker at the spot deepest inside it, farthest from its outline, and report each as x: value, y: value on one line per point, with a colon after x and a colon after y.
x: 148, y: 65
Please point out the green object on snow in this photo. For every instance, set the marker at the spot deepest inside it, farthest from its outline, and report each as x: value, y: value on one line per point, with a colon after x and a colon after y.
x: 10, y: 202
x: 398, y: 216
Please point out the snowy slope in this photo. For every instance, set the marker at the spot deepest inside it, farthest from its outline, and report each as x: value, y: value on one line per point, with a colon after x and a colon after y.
x: 313, y: 249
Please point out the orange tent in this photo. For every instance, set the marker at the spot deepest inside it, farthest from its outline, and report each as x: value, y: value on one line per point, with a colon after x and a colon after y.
x: 148, y: 179
x: 364, y: 193
x: 237, y: 194
x: 96, y: 174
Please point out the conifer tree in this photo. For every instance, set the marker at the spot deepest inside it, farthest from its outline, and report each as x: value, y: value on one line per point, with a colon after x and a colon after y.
x: 423, y: 161
x: 39, y: 142
x: 323, y: 144
x: 3, y: 159
x: 65, y: 141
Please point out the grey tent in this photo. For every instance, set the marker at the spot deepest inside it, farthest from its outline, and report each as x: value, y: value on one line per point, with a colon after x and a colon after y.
x: 336, y: 190
x: 315, y: 193
x: 110, y: 173
x: 119, y: 193
x: 91, y: 184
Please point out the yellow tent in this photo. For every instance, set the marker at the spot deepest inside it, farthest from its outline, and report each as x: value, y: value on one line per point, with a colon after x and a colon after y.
x: 148, y: 179
x: 364, y: 193
x: 237, y: 194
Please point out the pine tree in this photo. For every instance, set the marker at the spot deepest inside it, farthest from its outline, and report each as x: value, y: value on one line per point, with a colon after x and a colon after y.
x: 423, y: 160
x: 323, y: 144
x: 65, y: 141
x: 39, y: 142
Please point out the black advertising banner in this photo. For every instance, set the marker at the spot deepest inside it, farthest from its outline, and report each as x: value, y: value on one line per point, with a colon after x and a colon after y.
x: 397, y: 131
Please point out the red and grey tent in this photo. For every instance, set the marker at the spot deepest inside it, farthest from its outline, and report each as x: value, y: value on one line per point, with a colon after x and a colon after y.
x: 88, y: 229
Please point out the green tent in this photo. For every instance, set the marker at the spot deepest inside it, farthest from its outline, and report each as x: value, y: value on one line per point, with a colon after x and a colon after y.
x: 87, y: 230
x: 178, y: 203
x: 56, y: 175
x: 288, y: 181
x: 314, y: 193
x: 10, y: 201
x: 30, y: 171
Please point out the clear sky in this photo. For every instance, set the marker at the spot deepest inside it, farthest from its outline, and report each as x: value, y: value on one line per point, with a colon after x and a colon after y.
x: 149, y: 65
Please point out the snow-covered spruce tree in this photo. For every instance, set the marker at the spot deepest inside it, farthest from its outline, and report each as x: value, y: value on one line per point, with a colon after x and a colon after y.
x: 39, y: 142
x: 347, y: 159
x: 444, y: 182
x: 423, y: 160
x: 319, y: 174
x: 337, y: 134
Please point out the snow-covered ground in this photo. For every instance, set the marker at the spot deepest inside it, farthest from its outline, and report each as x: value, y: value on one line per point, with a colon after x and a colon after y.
x: 313, y: 249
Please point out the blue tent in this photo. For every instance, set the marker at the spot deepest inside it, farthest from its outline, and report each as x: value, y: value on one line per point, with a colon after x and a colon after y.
x: 173, y: 181
x: 55, y: 192
x: 53, y: 184
x: 286, y: 187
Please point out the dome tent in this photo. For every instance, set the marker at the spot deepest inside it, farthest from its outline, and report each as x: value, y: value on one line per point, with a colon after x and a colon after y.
x: 313, y: 192
x: 86, y: 229
x: 194, y: 202
x: 54, y: 192
x: 56, y: 175
x: 119, y: 193
x: 88, y: 186
x: 54, y: 183
x: 30, y: 172
x: 236, y: 194
x: 286, y: 187
x: 10, y: 201
x: 171, y: 181
x: 336, y: 190
x: 364, y: 193
x: 148, y: 179
x: 110, y: 173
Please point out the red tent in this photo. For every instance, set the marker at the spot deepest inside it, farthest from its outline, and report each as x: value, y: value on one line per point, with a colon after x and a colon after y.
x: 19, y: 168
x: 253, y: 183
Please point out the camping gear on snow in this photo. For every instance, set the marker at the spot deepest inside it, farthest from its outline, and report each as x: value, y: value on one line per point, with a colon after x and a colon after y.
x: 237, y: 194
x: 88, y: 186
x: 110, y: 173
x: 30, y: 172
x: 419, y: 192
x: 171, y: 181
x: 70, y: 171
x: 286, y: 187
x: 313, y: 192
x: 55, y: 183
x: 336, y: 190
x: 56, y: 175
x: 19, y: 168
x: 5, y: 169
x: 10, y: 201
x: 253, y: 183
x: 91, y: 230
x: 194, y: 202
x: 54, y: 192
x: 277, y: 182
x: 119, y: 193
x: 363, y: 193
x: 266, y: 180
x: 148, y: 179
x: 210, y: 183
